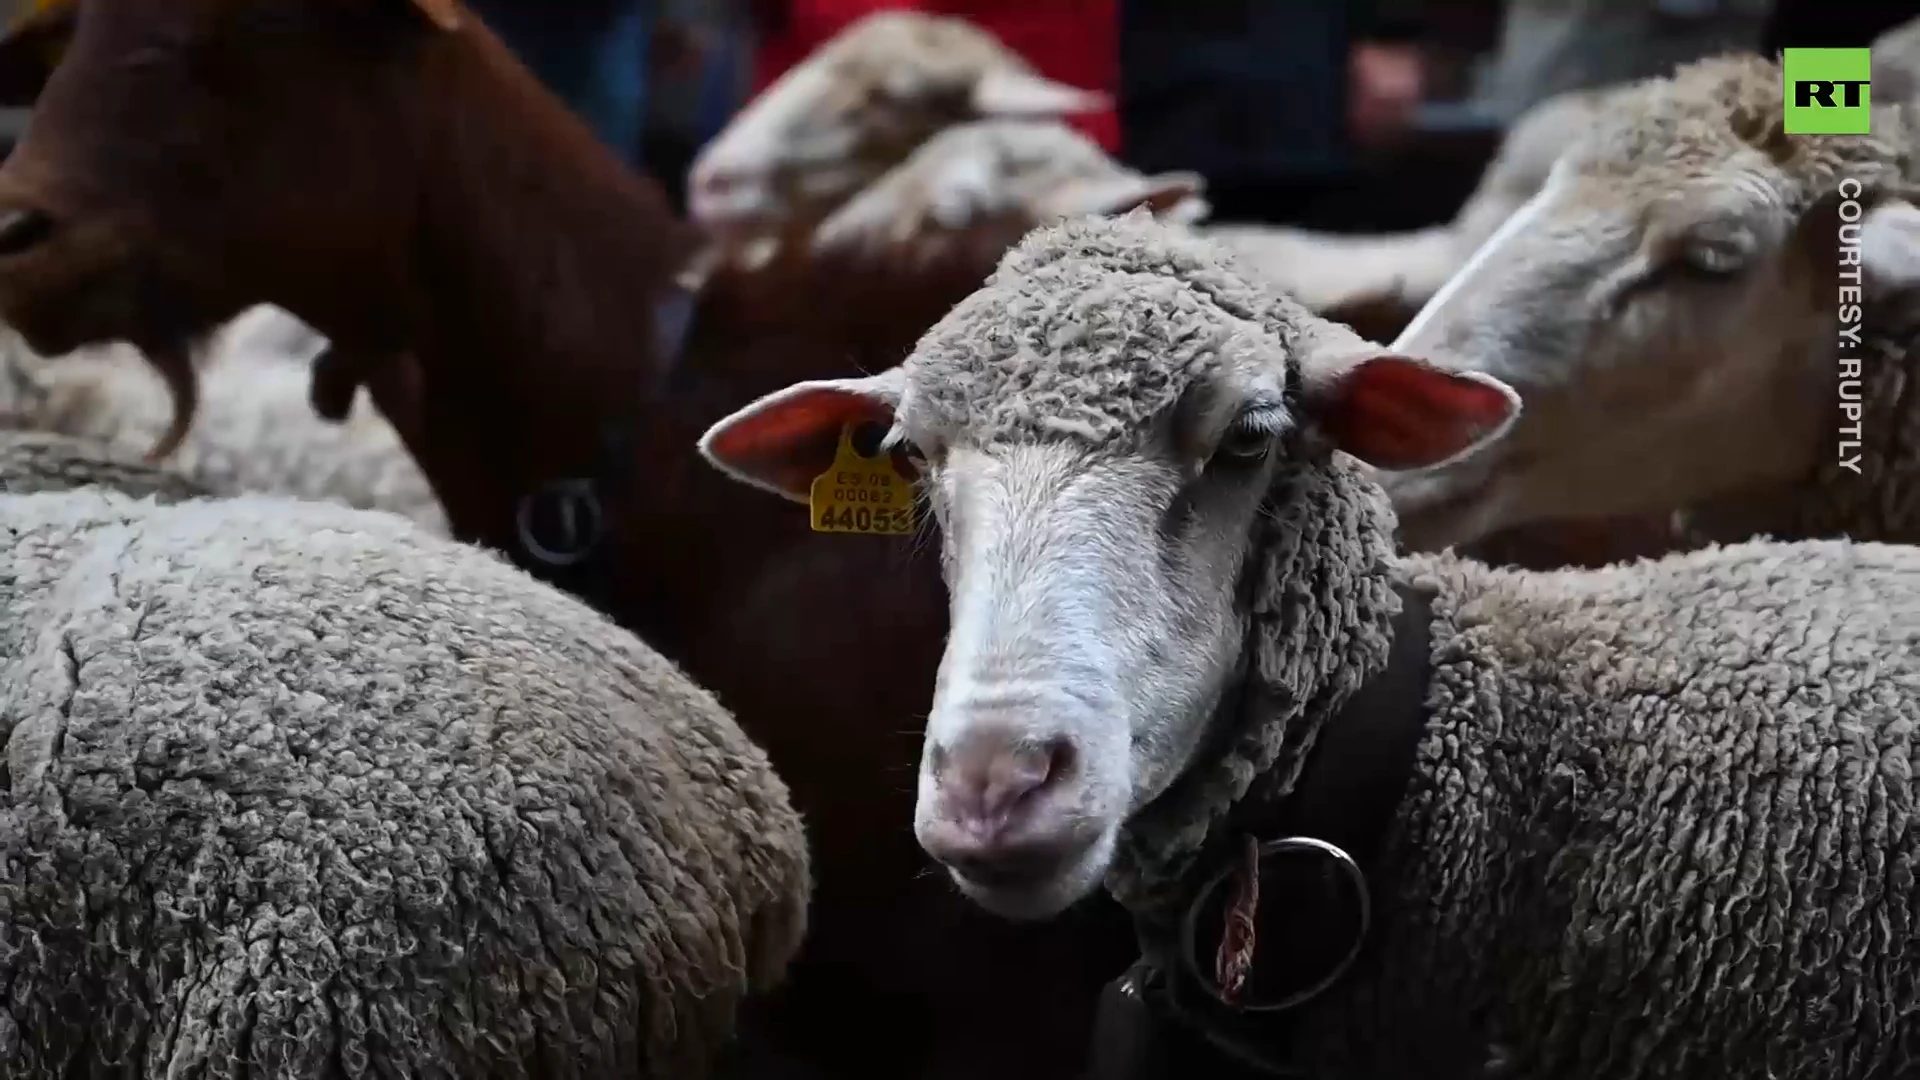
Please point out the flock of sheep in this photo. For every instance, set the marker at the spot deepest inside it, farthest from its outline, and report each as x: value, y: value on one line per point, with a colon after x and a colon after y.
x: 297, y: 784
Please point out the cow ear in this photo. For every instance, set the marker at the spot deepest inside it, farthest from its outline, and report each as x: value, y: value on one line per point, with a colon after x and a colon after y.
x: 30, y: 50
x: 1398, y: 413
x: 782, y: 441
x: 445, y: 14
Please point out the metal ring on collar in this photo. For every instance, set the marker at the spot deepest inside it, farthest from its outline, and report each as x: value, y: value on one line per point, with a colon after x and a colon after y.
x: 570, y: 494
x: 1189, y: 928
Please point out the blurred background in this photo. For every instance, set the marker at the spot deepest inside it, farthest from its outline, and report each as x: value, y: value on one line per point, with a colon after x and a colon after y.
x: 1348, y: 115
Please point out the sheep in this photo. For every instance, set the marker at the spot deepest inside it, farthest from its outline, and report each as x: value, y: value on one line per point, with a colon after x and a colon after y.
x: 1007, y: 175
x: 1896, y: 63
x: 1656, y: 820
x: 32, y: 461
x: 269, y: 331
x: 254, y: 428
x: 504, y: 288
x: 1340, y: 275
x: 1666, y: 306
x: 855, y: 108
x: 968, y: 174
x: 301, y: 790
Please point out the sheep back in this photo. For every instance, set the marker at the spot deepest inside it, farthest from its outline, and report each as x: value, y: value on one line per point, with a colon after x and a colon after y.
x: 1664, y: 823
x: 254, y: 429
x: 33, y: 461
x: 292, y: 790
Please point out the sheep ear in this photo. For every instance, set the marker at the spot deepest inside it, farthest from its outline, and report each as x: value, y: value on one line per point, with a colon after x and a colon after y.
x: 31, y: 49
x: 1890, y: 258
x: 1399, y: 413
x: 445, y: 14
x: 1173, y: 196
x: 1003, y: 92
x: 782, y: 441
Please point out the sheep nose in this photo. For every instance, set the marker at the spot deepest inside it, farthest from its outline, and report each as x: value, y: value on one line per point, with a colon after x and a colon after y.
x: 22, y: 229
x: 991, y: 812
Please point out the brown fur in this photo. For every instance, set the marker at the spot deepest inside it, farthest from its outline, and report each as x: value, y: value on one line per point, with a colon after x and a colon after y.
x: 489, y: 273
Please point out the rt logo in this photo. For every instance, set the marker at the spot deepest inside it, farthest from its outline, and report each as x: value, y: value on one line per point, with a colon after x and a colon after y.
x: 1829, y: 91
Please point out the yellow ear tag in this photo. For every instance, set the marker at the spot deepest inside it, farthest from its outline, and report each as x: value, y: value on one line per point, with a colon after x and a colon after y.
x: 861, y: 494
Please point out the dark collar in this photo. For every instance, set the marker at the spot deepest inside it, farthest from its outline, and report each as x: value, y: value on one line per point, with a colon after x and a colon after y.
x: 1309, y: 857
x: 565, y: 526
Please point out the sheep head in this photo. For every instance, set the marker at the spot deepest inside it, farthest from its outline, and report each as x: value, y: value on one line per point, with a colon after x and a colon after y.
x: 1101, y: 432
x: 1665, y: 306
x: 857, y: 107
x: 1028, y: 171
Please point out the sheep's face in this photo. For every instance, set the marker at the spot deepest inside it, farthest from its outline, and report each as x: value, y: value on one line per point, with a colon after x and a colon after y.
x: 1096, y: 513
x: 834, y: 122
x: 1095, y: 625
x: 1656, y: 304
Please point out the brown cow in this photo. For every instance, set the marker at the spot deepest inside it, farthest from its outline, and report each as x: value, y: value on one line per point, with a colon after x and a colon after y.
x: 387, y: 172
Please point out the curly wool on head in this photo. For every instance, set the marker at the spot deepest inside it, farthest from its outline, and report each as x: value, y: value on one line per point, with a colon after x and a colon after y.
x: 1713, y: 109
x: 1057, y: 340
x: 292, y: 790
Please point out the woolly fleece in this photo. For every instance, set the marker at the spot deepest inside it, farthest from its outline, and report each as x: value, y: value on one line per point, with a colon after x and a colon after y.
x: 33, y: 461
x: 254, y: 430
x: 1662, y: 824
x: 1881, y: 502
x: 291, y: 790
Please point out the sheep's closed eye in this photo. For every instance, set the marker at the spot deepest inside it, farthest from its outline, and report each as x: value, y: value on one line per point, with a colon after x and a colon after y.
x: 1711, y: 250
x: 1714, y: 260
x: 1710, y: 261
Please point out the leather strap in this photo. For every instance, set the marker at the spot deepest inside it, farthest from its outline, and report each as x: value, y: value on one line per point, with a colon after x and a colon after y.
x: 1154, y: 1021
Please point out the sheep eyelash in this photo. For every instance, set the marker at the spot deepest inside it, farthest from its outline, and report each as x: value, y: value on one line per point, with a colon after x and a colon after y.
x: 894, y: 439
x: 1269, y: 420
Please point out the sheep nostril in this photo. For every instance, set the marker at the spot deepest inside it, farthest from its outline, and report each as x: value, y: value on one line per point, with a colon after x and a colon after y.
x: 23, y: 230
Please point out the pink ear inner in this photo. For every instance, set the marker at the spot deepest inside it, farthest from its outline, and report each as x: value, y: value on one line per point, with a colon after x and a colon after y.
x: 1395, y: 412
x: 791, y: 441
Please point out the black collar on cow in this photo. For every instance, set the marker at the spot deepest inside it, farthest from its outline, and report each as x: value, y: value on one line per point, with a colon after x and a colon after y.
x: 1188, y: 998
x: 564, y: 525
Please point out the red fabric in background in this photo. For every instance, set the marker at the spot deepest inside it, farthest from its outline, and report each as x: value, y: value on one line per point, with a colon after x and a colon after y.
x: 1074, y: 41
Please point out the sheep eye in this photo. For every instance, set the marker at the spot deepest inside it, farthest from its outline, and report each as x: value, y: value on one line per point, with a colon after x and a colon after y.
x: 866, y: 439
x: 1714, y: 260
x: 1714, y: 250
x: 869, y: 438
x: 1248, y: 440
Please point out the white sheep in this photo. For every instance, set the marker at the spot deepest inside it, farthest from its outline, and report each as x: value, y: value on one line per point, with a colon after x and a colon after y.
x: 1659, y: 820
x: 1896, y: 63
x: 855, y: 108
x: 254, y: 428
x: 295, y: 790
x: 970, y: 174
x: 33, y: 461
x: 1334, y: 272
x: 1666, y: 306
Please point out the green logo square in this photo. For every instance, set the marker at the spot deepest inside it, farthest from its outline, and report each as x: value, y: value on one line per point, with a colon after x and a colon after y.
x: 1828, y: 91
